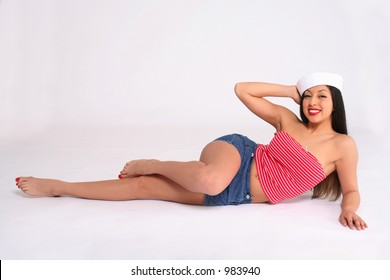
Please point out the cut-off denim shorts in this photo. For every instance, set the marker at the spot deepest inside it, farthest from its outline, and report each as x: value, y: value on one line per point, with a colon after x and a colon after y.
x: 238, y: 191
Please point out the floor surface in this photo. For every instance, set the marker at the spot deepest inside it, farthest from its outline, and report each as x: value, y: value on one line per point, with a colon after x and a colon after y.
x: 69, y: 228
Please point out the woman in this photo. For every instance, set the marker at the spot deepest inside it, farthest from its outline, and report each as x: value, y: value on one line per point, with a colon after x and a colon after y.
x: 314, y: 152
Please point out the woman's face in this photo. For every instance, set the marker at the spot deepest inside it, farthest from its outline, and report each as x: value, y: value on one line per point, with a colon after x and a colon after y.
x: 317, y: 104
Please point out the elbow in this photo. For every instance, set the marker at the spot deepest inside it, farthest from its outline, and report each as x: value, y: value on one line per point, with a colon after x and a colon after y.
x: 239, y: 89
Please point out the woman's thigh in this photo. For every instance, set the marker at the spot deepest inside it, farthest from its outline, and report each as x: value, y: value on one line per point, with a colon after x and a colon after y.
x: 222, y: 159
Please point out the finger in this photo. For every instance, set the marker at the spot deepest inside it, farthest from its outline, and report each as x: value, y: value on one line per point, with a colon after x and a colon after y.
x: 350, y: 223
x: 343, y: 221
x: 363, y: 224
x: 355, y: 219
x: 358, y: 224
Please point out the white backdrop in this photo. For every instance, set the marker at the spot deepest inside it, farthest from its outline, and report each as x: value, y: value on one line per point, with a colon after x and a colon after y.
x: 176, y: 62
x: 87, y: 85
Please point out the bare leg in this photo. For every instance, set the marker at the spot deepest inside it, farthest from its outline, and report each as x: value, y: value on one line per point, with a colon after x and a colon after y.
x: 218, y: 164
x: 184, y: 182
x: 144, y: 187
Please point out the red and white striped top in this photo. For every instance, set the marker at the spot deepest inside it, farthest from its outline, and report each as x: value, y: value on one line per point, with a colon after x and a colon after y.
x: 286, y: 169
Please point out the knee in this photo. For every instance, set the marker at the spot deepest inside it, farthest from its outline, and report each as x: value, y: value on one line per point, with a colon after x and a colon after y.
x: 142, y: 183
x: 134, y: 182
x: 211, y: 182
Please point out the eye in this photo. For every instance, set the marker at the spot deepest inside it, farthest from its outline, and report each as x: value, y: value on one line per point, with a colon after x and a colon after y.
x: 323, y: 96
x: 306, y: 95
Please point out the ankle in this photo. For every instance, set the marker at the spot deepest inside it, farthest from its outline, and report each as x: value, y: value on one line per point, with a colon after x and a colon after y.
x: 59, y: 188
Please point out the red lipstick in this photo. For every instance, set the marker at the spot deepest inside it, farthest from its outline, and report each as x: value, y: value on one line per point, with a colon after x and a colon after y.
x: 314, y: 112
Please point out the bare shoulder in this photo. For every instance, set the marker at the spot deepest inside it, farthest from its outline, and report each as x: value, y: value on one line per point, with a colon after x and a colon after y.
x: 346, y: 145
x: 344, y: 141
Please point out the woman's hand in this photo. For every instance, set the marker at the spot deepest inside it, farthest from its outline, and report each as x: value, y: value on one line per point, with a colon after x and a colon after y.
x: 295, y: 95
x: 353, y: 221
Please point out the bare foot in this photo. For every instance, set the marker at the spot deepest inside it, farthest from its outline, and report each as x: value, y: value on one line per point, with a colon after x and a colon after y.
x: 39, y: 187
x: 136, y: 168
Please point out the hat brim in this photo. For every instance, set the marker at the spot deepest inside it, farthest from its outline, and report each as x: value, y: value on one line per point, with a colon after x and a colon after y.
x: 316, y: 79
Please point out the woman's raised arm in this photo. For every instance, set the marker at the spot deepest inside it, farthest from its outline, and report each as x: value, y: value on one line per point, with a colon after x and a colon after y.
x: 252, y: 95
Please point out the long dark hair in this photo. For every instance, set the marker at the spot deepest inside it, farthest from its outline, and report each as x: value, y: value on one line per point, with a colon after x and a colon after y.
x: 330, y: 187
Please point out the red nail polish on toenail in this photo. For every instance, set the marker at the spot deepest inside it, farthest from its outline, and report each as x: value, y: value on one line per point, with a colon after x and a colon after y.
x: 120, y: 176
x: 17, y: 180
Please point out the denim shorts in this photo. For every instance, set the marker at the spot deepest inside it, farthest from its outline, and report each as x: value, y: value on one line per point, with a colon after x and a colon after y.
x: 238, y: 191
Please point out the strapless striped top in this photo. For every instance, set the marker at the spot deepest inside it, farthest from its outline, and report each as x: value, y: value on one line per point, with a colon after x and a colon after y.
x: 285, y: 169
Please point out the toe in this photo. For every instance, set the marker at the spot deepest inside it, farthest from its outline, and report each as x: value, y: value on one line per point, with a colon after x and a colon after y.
x: 22, y: 179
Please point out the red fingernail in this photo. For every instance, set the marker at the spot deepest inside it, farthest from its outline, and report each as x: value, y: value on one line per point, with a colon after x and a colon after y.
x: 17, y: 180
x: 120, y: 176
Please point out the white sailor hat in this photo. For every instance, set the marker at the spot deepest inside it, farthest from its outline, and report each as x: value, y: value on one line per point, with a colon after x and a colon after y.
x: 321, y: 78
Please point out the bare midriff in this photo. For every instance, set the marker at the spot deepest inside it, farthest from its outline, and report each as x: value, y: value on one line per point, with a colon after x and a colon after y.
x: 258, y: 195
